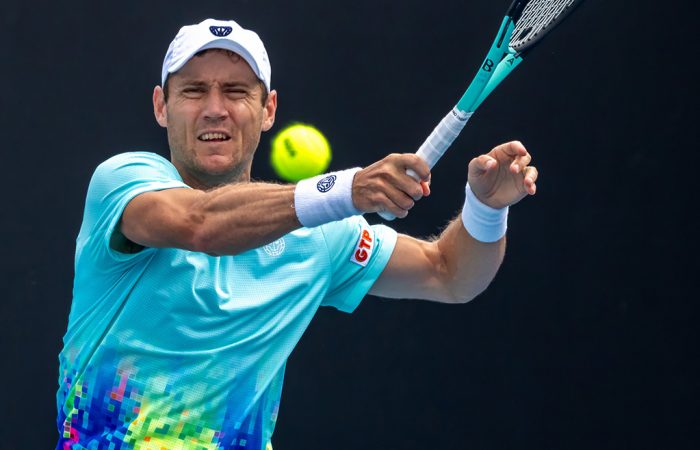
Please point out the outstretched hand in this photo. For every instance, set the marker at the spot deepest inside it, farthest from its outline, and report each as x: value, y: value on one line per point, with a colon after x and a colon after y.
x: 502, y: 177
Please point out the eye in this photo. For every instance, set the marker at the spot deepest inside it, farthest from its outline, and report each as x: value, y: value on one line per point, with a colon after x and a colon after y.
x: 236, y: 92
x: 192, y: 91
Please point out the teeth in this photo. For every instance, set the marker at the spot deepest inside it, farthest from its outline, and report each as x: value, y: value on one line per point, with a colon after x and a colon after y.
x: 213, y: 136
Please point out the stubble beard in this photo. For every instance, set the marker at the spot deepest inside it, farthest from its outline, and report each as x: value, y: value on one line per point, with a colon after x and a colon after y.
x: 198, y: 176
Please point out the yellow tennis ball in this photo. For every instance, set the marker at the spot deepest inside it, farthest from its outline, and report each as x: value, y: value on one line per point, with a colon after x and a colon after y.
x: 299, y: 151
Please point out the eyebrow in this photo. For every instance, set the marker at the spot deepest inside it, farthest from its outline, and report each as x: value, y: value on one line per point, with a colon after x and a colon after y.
x: 190, y: 83
x: 227, y: 84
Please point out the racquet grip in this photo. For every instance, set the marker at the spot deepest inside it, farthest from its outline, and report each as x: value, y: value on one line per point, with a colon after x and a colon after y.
x: 437, y: 143
x: 442, y: 136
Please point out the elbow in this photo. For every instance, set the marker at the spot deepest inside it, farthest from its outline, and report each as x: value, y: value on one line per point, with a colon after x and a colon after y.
x: 463, y: 282
x: 455, y: 299
x: 204, y: 239
x: 197, y: 234
x: 459, y: 290
x: 205, y: 234
x: 458, y: 286
x: 199, y: 240
x: 464, y: 295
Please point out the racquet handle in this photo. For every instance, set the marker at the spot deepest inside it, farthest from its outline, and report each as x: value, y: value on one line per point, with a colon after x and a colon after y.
x: 437, y: 143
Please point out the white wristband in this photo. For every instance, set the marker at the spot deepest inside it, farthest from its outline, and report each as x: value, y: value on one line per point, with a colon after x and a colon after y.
x: 482, y: 222
x: 325, y: 198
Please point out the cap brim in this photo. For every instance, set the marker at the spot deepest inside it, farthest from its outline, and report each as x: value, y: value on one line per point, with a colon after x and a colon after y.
x: 224, y: 44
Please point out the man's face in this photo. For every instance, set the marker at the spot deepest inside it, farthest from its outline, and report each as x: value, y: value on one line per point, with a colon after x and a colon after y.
x: 214, y: 116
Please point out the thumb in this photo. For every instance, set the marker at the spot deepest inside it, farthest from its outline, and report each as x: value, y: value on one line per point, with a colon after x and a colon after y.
x: 480, y: 165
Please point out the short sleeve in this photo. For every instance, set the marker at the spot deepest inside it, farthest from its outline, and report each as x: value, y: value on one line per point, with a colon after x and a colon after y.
x: 359, y: 252
x: 113, y: 185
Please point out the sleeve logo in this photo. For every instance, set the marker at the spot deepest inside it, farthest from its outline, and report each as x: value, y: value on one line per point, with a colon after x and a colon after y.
x: 364, y: 247
x: 326, y: 184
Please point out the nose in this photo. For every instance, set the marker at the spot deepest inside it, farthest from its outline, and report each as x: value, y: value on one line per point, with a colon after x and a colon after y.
x: 215, y: 106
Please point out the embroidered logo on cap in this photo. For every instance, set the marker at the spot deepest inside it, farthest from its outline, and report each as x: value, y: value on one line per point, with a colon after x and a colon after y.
x: 220, y: 31
x: 326, y: 184
x: 364, y: 247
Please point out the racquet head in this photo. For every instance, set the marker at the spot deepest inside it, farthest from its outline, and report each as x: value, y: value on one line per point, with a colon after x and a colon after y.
x: 535, y: 18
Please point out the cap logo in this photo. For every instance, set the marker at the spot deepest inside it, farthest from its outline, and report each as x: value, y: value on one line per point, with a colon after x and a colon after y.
x: 326, y: 184
x: 220, y: 31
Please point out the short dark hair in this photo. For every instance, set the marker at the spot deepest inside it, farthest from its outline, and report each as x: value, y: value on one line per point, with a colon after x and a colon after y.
x: 263, y: 88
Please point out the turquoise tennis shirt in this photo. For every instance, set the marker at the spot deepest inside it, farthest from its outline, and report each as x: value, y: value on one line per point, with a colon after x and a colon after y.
x: 169, y: 348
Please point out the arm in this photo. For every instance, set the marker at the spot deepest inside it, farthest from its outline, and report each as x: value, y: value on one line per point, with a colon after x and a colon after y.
x: 456, y: 267
x: 241, y: 216
x: 453, y: 269
x: 227, y: 220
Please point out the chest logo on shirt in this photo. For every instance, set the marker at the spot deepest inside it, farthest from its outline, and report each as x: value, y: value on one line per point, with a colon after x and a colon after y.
x: 364, y: 247
x: 275, y: 248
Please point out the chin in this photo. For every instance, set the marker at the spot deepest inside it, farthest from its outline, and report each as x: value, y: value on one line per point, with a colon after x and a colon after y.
x: 221, y: 167
x: 216, y: 162
x: 219, y: 161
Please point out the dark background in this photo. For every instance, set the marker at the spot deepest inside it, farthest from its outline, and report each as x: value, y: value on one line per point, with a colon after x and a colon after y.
x: 586, y: 339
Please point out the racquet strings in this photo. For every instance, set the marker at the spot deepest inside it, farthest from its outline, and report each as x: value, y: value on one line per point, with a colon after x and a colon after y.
x: 537, y: 17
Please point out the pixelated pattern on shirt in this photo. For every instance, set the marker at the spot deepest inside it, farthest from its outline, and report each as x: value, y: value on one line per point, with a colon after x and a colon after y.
x: 117, y: 411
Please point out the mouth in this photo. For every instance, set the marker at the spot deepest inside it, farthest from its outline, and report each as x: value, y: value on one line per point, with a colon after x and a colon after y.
x: 214, y: 136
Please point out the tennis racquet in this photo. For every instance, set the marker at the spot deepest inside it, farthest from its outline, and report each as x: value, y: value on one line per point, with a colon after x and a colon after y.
x: 523, y: 27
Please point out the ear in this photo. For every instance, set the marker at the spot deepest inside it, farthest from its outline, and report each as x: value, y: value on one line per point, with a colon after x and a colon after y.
x: 269, y: 110
x: 160, y: 109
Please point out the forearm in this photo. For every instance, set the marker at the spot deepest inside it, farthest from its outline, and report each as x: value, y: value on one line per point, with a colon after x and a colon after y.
x: 227, y: 220
x: 469, y: 265
x: 242, y: 216
x: 454, y: 268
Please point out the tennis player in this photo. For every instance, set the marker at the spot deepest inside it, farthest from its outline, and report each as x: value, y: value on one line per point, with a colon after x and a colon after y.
x: 193, y: 284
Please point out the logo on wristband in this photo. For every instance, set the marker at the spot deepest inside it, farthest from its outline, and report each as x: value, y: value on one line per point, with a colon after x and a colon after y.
x: 326, y: 184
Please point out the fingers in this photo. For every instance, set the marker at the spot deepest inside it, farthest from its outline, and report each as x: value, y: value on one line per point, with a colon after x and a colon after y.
x: 385, y: 185
x: 413, y: 162
x: 398, y: 203
x: 518, y: 154
x: 425, y: 185
x: 530, y: 175
x: 512, y: 149
x: 504, y: 175
x: 520, y: 162
x: 481, y: 165
x: 391, y: 199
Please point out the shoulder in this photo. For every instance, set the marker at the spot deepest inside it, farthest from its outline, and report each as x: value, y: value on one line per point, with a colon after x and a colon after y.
x: 135, y: 159
x: 123, y: 176
x: 133, y: 167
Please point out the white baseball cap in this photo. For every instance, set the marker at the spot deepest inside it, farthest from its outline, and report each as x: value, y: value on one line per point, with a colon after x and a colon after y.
x: 224, y: 34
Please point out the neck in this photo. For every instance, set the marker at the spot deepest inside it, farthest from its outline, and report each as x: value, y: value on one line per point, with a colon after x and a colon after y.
x: 207, y: 181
